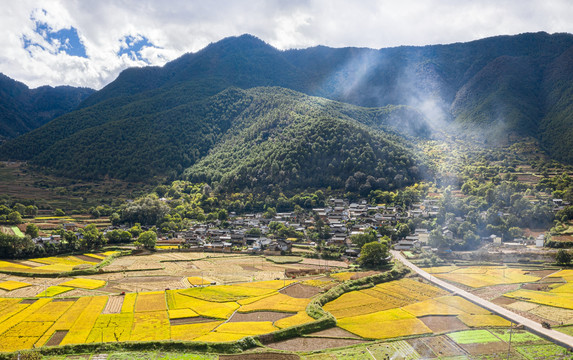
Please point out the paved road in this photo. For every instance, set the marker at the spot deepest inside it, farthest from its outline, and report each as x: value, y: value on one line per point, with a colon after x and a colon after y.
x: 533, y: 326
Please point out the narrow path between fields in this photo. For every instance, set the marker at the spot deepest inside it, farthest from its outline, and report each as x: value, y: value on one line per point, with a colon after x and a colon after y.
x: 533, y: 326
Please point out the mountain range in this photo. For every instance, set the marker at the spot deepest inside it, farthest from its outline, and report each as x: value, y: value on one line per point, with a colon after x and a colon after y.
x: 244, y: 114
x: 23, y: 109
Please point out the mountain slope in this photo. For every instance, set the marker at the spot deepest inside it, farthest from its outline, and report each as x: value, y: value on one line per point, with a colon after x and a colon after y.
x: 519, y: 84
x: 290, y: 141
x: 23, y: 109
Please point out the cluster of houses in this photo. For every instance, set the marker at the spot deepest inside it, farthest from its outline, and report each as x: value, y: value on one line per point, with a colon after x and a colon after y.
x: 251, y: 232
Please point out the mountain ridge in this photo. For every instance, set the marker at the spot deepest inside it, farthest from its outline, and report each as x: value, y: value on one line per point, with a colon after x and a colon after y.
x: 506, y: 84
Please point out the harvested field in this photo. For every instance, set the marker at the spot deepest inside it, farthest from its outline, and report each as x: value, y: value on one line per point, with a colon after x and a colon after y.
x: 259, y: 316
x: 312, y: 344
x: 335, y: 332
x: 190, y: 320
x: 300, y: 291
x: 114, y: 305
x: 57, y: 338
x: 260, y: 356
x: 421, y: 348
x: 88, y: 259
x: 443, y: 346
x: 486, y: 348
x: 323, y: 263
x: 440, y: 324
x: 491, y: 292
x: 502, y: 300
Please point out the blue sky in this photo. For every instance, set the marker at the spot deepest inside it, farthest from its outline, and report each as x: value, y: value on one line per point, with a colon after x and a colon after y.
x: 87, y: 43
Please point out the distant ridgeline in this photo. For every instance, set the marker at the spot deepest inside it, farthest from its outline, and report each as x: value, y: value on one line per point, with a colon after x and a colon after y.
x: 23, y: 109
x: 246, y: 115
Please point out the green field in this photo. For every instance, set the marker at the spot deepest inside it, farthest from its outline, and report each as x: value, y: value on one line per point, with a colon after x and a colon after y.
x: 473, y: 337
x: 17, y: 231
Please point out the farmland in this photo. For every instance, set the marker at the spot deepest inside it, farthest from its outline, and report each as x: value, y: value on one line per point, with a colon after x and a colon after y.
x: 247, y: 301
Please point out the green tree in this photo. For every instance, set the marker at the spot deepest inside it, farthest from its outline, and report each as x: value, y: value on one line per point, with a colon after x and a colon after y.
x: 14, y: 218
x: 59, y: 212
x: 563, y: 257
x: 32, y: 230
x: 92, y: 237
x: 136, y: 230
x: 373, y: 254
x: 360, y: 239
x: 148, y: 239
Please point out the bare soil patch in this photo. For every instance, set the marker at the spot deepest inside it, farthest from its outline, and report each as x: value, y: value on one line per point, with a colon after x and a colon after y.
x: 249, y: 267
x: 64, y: 300
x: 57, y: 338
x: 422, y: 348
x: 143, y: 279
x: 491, y: 292
x: 335, y: 332
x: 300, y: 291
x: 312, y: 344
x: 502, y: 300
x: 361, y: 274
x: 536, y: 287
x: 259, y: 316
x: 443, y: 346
x: 190, y: 320
x: 322, y: 263
x: 88, y: 258
x: 28, y: 301
x: 442, y: 323
x: 542, y: 273
x: 260, y: 356
x: 113, y: 305
x: 485, y: 348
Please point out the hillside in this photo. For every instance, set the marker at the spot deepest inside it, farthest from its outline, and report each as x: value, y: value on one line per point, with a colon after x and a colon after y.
x: 157, y: 121
x: 291, y: 141
x: 23, y: 109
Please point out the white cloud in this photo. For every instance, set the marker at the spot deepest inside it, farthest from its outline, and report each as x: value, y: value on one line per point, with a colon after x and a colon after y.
x: 175, y: 27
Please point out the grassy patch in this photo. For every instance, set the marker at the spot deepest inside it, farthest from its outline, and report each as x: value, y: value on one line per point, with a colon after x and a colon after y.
x: 473, y: 337
x: 284, y: 259
x: 517, y: 336
x: 542, y: 352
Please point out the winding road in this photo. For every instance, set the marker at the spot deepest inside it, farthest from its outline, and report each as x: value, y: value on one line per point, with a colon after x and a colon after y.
x: 533, y: 326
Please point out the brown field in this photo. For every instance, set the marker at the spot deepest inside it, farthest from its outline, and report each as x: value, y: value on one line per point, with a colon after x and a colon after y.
x: 259, y: 316
x: 443, y: 346
x: 336, y: 332
x: 441, y: 324
x: 312, y: 344
x: 301, y: 291
x: 6, y: 230
x: 260, y: 356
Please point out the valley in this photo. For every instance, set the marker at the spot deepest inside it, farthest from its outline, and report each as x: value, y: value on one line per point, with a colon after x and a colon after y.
x: 247, y: 202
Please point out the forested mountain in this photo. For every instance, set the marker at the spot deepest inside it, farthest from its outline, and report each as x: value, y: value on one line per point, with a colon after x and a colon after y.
x: 157, y: 121
x: 23, y: 109
x: 292, y: 141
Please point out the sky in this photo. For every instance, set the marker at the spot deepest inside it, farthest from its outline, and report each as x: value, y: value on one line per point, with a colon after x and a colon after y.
x: 89, y: 42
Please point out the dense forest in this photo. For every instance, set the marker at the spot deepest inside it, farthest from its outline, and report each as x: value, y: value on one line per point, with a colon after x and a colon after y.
x: 23, y: 109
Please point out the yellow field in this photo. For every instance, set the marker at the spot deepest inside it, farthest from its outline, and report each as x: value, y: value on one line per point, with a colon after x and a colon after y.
x: 150, y: 326
x: 150, y: 301
x: 198, y: 281
x: 190, y: 332
x: 111, y: 328
x: 557, y: 299
x: 53, y: 264
x: 278, y: 302
x: 176, y: 300
x: 481, y: 276
x: 54, y: 290
x: 89, y: 284
x: 84, y: 323
x: 226, y: 293
x: 384, y: 324
x: 182, y: 313
x: 483, y: 320
x: 298, y: 319
x: 13, y: 285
